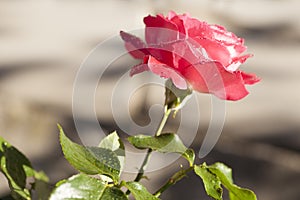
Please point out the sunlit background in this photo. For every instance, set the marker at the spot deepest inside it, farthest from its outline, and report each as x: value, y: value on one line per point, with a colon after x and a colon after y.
x: 43, y: 43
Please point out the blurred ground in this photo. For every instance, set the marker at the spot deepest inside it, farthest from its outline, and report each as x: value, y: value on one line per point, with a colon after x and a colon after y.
x: 43, y: 43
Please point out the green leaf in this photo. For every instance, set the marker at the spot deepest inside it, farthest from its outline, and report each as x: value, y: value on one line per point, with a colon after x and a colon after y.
x: 113, y: 193
x: 175, y: 97
x: 112, y: 142
x: 217, y: 174
x: 84, y: 187
x: 91, y: 160
x: 224, y: 173
x: 41, y: 186
x: 11, y: 165
x: 139, y: 191
x: 212, y: 183
x: 115, y: 144
x: 43, y: 190
x: 165, y: 143
x: 17, y: 169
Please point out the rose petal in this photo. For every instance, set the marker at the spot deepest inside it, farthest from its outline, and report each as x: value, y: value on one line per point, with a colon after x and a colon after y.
x: 215, y: 51
x: 212, y: 78
x: 166, y: 72
x: 234, y: 44
x: 222, y: 35
x: 236, y: 62
x: 171, y: 14
x: 249, y: 78
x: 163, y: 52
x: 159, y: 30
x: 234, y: 86
x: 139, y: 69
x: 180, y: 26
x: 196, y: 28
x: 135, y: 46
x: 187, y: 53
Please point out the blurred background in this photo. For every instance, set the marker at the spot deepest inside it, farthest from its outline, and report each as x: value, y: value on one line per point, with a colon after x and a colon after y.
x: 43, y: 43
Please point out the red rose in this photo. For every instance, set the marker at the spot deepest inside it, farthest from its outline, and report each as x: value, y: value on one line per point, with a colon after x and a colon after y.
x: 191, y: 52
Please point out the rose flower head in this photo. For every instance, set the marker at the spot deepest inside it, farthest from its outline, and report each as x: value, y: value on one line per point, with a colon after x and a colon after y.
x: 193, y: 54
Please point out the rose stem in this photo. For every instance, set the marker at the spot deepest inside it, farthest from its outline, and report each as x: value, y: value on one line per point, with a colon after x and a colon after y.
x: 146, y: 159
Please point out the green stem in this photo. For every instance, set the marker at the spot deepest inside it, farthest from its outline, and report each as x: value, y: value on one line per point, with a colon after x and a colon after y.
x: 163, y: 121
x: 174, y: 179
x: 143, y: 166
x: 146, y: 159
x: 157, y: 133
